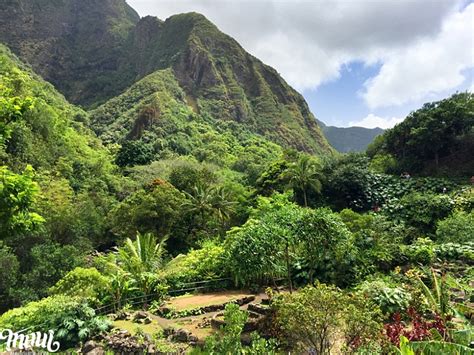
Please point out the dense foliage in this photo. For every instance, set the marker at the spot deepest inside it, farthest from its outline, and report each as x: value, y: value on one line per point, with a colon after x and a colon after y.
x: 171, y: 197
x: 436, y: 138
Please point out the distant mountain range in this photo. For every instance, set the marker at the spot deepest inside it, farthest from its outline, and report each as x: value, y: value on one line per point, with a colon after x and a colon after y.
x: 349, y: 139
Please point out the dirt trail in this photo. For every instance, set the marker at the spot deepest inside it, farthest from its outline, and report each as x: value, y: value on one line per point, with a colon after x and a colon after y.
x: 196, y: 324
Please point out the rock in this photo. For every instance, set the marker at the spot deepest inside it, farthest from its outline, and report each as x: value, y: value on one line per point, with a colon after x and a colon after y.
x: 168, y: 332
x: 140, y: 315
x: 92, y: 348
x: 193, y: 340
x: 89, y: 346
x: 181, y: 335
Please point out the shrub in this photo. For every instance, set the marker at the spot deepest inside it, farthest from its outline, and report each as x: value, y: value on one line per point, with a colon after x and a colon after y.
x: 315, y: 318
x: 201, y: 264
x: 455, y: 251
x: 71, y: 319
x: 422, y: 251
x: 421, y: 211
x: 80, y: 282
x: 229, y: 342
x: 389, y: 298
x: 457, y: 228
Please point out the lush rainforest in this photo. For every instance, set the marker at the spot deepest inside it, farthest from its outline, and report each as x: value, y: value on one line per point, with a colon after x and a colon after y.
x: 216, y: 219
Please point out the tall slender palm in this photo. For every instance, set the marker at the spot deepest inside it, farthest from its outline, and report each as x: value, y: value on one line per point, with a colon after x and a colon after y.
x: 304, y: 175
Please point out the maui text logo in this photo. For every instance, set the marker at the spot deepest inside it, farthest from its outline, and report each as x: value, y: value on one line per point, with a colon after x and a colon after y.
x: 28, y: 341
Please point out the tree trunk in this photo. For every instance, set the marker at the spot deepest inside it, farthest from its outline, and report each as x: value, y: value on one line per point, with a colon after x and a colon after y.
x: 288, y: 270
x: 437, y: 160
x: 305, y: 198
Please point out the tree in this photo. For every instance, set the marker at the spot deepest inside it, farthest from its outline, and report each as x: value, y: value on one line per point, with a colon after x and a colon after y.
x: 315, y: 319
x: 208, y: 202
x: 327, y: 246
x: 141, y: 259
x: 304, y: 175
x: 134, y: 153
x: 10, y: 267
x: 18, y: 193
x: 282, y: 236
x: 154, y: 210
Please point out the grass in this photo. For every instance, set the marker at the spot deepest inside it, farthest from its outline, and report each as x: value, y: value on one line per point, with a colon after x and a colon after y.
x: 132, y: 327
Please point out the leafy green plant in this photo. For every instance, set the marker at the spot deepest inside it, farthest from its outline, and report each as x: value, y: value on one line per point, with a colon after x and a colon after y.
x: 457, y: 228
x: 422, y: 251
x: 71, y: 319
x: 80, y: 282
x: 389, y: 298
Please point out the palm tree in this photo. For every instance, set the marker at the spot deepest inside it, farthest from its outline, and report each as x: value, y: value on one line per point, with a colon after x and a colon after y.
x: 304, y: 175
x: 141, y: 259
x: 145, y: 254
x: 210, y: 200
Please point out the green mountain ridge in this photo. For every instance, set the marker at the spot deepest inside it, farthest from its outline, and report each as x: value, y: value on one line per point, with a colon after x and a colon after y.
x: 350, y: 139
x: 93, y: 50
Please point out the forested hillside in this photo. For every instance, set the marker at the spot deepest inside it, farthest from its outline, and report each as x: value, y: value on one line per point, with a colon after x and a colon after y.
x: 350, y: 139
x: 192, y: 205
x: 216, y: 74
x: 436, y: 139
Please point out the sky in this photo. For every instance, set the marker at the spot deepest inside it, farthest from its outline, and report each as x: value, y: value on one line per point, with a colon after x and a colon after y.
x: 362, y: 63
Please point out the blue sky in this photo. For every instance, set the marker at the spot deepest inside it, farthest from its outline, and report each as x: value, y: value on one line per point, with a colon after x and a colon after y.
x: 357, y: 62
x: 339, y: 103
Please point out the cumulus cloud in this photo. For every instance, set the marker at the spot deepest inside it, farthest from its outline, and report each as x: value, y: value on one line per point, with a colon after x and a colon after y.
x: 309, y: 42
x: 374, y: 121
x: 426, y: 67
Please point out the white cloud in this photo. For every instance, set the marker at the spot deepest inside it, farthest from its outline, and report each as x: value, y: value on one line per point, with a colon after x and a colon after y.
x: 426, y: 67
x: 373, y: 121
x: 309, y: 41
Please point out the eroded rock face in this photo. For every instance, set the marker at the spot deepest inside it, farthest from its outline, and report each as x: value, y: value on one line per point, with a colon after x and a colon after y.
x: 93, y: 50
x: 74, y: 44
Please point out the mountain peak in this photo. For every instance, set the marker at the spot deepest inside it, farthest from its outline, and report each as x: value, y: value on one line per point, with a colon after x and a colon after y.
x: 94, y: 50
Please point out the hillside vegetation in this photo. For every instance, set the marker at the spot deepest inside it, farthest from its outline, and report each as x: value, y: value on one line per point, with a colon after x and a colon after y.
x: 436, y: 139
x: 217, y: 75
x: 194, y: 206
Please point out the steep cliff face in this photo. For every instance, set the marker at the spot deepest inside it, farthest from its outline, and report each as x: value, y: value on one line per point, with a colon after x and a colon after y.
x: 92, y: 50
x: 74, y: 44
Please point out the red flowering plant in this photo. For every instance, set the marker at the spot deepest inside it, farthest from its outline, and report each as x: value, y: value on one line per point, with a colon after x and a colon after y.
x: 417, y: 328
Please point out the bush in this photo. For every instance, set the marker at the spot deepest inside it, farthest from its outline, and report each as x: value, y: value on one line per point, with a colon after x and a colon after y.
x: 457, y: 228
x: 455, y: 251
x: 315, y: 318
x: 389, y: 298
x: 421, y: 211
x: 229, y: 340
x: 202, y: 264
x: 80, y: 282
x: 422, y: 251
x: 71, y: 319
x: 378, y: 241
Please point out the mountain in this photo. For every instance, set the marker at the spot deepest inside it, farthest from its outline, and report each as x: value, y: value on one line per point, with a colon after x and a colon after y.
x: 350, y: 139
x: 93, y: 50
x: 44, y: 130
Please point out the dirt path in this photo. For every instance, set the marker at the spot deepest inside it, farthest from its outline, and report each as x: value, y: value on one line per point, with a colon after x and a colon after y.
x: 199, y: 325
